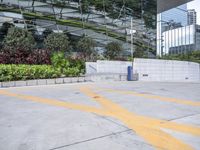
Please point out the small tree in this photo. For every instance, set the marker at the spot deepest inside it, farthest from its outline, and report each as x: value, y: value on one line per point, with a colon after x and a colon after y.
x: 46, y: 32
x: 57, y: 42
x: 5, y: 27
x: 139, y: 51
x: 59, y: 61
x: 86, y: 47
x: 84, y: 6
x: 18, y: 39
x: 113, y: 50
x: 33, y: 7
x: 61, y: 4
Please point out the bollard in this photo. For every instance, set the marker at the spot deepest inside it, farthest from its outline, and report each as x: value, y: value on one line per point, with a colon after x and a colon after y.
x: 130, y: 73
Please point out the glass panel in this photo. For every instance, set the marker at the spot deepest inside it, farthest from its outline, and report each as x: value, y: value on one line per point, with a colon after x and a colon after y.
x: 178, y: 29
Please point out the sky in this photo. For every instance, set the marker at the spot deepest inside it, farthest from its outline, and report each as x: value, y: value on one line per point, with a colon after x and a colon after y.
x: 195, y: 4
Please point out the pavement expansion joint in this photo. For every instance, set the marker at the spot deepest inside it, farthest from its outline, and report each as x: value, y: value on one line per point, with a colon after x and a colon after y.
x: 150, y: 129
x: 106, y: 118
x: 190, y: 115
x: 92, y: 139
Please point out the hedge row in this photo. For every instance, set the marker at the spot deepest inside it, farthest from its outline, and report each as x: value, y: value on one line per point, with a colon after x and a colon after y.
x: 26, y: 72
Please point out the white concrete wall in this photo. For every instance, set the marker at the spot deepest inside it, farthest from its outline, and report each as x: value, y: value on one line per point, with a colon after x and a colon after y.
x: 91, y: 67
x: 119, y: 67
x: 166, y: 70
x: 151, y: 69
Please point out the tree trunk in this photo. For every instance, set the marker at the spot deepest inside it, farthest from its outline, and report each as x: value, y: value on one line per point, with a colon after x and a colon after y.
x: 88, y: 17
x: 33, y: 8
x: 61, y: 12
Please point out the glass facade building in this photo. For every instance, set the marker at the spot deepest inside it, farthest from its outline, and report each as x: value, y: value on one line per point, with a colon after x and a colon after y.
x: 179, y: 40
x: 172, y: 30
x: 192, y: 17
x: 177, y: 15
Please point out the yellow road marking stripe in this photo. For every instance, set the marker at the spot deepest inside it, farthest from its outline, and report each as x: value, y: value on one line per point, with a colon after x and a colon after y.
x: 54, y: 102
x: 155, y: 97
x: 146, y: 127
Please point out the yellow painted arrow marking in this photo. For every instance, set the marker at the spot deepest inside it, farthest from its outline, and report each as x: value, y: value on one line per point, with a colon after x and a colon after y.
x: 148, y: 128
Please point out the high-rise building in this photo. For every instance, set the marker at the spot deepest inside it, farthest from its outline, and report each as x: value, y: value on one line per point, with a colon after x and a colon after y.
x: 169, y: 20
x: 176, y: 15
x: 163, y: 5
x: 191, y: 17
x: 181, y: 40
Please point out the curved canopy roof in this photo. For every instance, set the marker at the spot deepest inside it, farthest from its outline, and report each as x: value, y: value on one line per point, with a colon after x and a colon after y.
x: 163, y: 5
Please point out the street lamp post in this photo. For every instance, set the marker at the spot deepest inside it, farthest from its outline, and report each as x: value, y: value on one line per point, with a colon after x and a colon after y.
x: 132, y: 31
x: 132, y: 39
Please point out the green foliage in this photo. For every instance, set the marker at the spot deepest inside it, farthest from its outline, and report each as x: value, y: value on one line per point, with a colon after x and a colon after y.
x: 14, y: 72
x: 98, y: 4
x: 46, y: 32
x: 61, y: 67
x: 61, y: 4
x: 25, y: 72
x: 149, y: 15
x: 18, y: 38
x: 67, y: 66
x: 57, y: 42
x: 79, y: 64
x: 72, y: 72
x: 113, y: 50
x: 85, y: 6
x: 192, y: 56
x: 135, y: 7
x: 5, y: 27
x: 195, y: 56
x: 59, y: 62
x: 139, y: 51
x: 86, y: 47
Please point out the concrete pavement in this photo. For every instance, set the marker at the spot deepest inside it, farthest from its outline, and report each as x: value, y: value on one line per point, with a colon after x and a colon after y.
x: 101, y: 116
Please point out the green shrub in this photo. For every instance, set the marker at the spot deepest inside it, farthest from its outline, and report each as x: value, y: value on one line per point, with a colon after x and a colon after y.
x: 18, y: 38
x: 67, y: 66
x: 79, y: 64
x: 60, y: 63
x: 113, y: 50
x: 61, y: 67
x: 56, y: 42
x: 86, y: 47
x: 4, y: 28
x: 193, y: 56
x: 26, y: 72
x: 70, y: 72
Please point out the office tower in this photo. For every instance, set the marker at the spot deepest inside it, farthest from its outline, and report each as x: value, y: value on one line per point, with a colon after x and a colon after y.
x: 169, y: 20
x: 177, y: 15
x: 181, y: 40
x: 192, y: 17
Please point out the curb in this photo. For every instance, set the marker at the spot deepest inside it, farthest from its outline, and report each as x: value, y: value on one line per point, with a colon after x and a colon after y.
x: 87, y: 78
x: 43, y: 82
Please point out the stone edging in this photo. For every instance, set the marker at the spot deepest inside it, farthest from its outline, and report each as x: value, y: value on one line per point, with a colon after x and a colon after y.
x: 87, y: 78
x: 43, y: 82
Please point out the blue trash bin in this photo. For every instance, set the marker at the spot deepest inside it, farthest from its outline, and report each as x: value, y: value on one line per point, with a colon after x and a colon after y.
x: 130, y: 73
